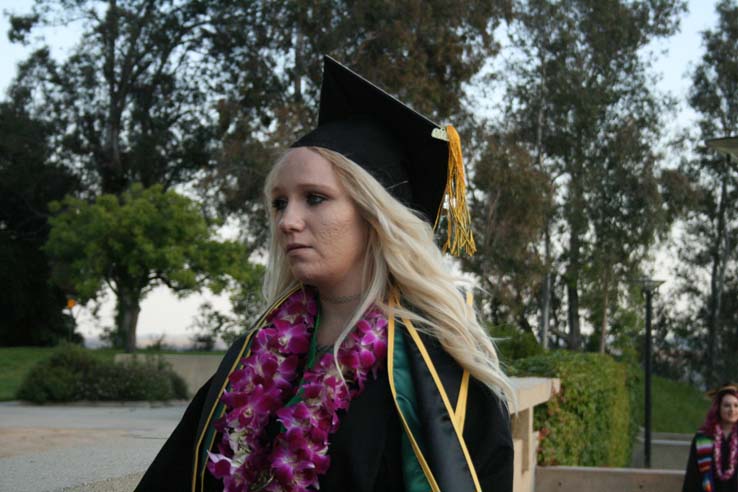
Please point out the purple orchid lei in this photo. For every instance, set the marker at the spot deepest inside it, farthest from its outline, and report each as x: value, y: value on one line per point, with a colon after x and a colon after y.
x: 717, y: 448
x: 265, y: 381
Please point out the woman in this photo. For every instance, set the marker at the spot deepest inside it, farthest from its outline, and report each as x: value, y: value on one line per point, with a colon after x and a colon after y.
x: 714, y: 452
x: 369, y: 371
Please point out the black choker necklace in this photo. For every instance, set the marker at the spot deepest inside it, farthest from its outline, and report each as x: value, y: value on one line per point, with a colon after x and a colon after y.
x: 341, y: 299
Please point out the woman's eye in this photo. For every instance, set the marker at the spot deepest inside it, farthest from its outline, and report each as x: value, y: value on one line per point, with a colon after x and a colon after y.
x: 315, y: 199
x: 279, y: 204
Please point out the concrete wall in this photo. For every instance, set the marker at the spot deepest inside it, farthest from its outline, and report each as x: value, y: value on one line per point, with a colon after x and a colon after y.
x: 195, y: 369
x: 560, y: 478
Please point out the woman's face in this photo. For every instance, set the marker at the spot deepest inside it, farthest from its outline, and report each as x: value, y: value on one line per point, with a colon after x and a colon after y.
x: 729, y: 409
x: 317, y: 224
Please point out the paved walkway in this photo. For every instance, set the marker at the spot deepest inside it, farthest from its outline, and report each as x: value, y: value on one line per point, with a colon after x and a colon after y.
x: 77, y: 448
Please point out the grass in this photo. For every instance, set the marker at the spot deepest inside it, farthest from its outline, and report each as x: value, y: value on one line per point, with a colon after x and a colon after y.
x: 15, y: 362
x: 677, y: 407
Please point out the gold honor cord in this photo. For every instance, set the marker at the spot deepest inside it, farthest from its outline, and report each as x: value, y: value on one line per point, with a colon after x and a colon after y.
x: 460, y: 412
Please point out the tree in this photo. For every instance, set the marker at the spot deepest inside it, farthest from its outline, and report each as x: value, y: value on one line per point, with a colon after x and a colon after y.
x: 507, y: 263
x: 130, y: 103
x: 580, y: 100
x: 32, y: 308
x: 132, y: 243
x: 626, y: 213
x: 712, y: 225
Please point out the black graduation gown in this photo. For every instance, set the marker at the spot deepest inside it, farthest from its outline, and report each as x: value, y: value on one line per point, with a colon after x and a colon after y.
x: 366, y: 451
x: 693, y: 478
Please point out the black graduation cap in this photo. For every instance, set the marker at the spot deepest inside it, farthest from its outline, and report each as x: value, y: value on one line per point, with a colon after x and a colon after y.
x: 417, y: 161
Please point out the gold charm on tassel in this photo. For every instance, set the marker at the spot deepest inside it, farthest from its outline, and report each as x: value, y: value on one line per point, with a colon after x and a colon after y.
x: 459, y: 234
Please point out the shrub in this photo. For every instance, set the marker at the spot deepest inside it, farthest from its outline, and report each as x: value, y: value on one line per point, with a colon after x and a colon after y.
x: 513, y: 343
x: 591, y: 421
x: 46, y: 384
x: 73, y: 373
x: 179, y: 385
x: 58, y: 378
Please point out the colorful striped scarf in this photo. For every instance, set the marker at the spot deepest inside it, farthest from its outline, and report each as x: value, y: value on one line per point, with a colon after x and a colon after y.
x: 704, y: 445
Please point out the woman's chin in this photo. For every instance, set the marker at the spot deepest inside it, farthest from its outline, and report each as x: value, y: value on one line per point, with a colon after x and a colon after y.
x: 304, y: 276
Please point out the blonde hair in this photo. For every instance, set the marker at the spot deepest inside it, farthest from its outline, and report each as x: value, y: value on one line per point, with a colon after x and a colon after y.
x: 401, y: 255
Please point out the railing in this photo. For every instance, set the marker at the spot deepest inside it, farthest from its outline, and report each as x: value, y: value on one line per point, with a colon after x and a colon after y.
x: 530, y: 392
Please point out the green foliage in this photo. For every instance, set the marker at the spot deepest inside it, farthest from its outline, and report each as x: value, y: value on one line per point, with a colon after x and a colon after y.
x: 705, y: 328
x: 129, y: 103
x: 513, y: 343
x: 625, y: 326
x: 423, y: 51
x: 72, y: 373
x: 591, y: 421
x: 133, y: 100
x: 132, y: 243
x: 574, y: 67
x: 508, y: 263
x: 32, y: 307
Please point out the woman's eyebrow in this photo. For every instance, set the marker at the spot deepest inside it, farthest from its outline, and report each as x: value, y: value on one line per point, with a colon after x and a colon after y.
x: 317, y: 186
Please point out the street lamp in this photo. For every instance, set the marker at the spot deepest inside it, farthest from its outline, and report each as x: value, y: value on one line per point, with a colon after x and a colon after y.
x: 725, y: 145
x: 648, y: 285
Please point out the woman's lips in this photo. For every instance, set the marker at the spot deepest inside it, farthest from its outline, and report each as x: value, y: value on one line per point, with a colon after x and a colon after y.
x: 291, y: 248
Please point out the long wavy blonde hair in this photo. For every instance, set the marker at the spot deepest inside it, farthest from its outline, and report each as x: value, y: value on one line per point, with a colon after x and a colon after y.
x: 401, y: 257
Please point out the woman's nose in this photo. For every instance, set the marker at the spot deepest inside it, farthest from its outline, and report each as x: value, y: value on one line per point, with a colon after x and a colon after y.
x: 291, y: 219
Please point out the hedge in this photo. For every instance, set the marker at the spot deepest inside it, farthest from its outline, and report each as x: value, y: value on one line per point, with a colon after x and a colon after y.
x: 72, y: 373
x: 593, y: 420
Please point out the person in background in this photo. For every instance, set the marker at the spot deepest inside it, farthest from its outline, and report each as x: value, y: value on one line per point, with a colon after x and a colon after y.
x: 714, y: 453
x: 369, y: 371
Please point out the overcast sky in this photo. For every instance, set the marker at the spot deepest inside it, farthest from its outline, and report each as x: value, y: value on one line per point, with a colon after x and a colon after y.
x: 162, y: 313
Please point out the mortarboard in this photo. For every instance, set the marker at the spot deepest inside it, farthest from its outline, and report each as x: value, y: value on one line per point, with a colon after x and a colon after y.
x: 726, y: 387
x: 417, y: 161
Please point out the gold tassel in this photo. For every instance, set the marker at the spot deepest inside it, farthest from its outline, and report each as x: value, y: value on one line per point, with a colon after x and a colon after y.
x: 459, y: 233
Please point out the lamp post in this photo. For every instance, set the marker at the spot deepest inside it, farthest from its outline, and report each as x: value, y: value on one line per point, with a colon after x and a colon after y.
x: 648, y: 285
x: 725, y: 145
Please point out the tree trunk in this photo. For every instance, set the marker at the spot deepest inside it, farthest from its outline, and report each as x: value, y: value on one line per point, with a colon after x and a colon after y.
x: 299, y: 69
x: 113, y: 179
x: 545, y: 318
x: 605, y: 305
x: 577, y: 222
x: 129, y: 307
x: 572, y: 290
x: 717, y: 283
